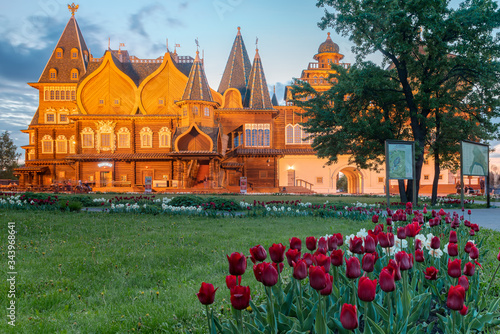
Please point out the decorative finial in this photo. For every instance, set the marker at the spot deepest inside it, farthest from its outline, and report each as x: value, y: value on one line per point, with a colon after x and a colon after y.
x: 239, y: 33
x: 73, y: 8
x: 197, y: 58
x: 257, y: 43
x: 328, y: 36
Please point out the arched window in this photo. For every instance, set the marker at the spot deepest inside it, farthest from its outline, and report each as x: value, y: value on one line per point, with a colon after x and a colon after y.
x: 146, y: 137
x: 72, y: 145
x: 184, y: 111
x: 50, y: 116
x: 52, y: 96
x: 61, y: 144
x: 289, y: 134
x: 74, y: 53
x: 248, y: 137
x: 165, y: 136
x: 195, y: 111
x: 87, y: 138
x: 68, y: 95
x: 74, y: 74
x: 260, y: 141
x: 73, y: 95
x: 206, y: 111
x: 297, y: 134
x: 315, y: 79
x: 258, y: 135
x: 47, y: 144
x: 47, y: 95
x: 124, y: 138
x: 59, y: 53
x: 267, y: 137
x: 31, y: 154
x: 254, y: 136
x: 57, y: 95
x: 53, y: 74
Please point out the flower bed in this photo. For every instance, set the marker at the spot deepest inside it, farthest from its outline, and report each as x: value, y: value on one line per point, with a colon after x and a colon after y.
x: 420, y: 272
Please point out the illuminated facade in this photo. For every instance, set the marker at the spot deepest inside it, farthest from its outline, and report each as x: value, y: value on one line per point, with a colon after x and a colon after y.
x: 112, y: 121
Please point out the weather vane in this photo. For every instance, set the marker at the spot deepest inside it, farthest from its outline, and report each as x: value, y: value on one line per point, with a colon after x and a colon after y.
x: 197, y: 44
x: 73, y: 8
x: 256, y: 42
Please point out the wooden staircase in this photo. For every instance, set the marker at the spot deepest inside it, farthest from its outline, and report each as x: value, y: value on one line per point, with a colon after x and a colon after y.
x: 296, y: 190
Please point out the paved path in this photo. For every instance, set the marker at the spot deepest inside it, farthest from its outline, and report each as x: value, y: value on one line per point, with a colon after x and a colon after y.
x: 487, y: 218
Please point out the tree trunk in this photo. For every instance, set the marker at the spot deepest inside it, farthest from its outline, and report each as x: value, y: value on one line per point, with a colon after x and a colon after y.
x: 435, y: 182
x: 402, y: 191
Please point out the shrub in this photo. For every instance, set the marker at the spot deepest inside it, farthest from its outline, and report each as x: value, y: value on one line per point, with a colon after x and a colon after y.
x: 225, y: 204
x: 187, y: 200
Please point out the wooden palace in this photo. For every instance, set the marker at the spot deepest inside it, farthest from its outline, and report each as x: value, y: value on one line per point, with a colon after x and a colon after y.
x: 113, y: 121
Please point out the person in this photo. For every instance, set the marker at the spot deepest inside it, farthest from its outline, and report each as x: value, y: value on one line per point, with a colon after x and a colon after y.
x: 458, y: 187
x: 481, y: 185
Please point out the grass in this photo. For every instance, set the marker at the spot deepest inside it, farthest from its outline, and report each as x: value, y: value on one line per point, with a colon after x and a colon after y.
x: 102, y: 273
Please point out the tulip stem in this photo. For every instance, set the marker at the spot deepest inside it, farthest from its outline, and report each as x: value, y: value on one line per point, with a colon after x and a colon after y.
x: 453, y: 317
x: 354, y: 294
x: 365, y: 315
x: 389, y: 311
x: 299, y: 298
x: 209, y: 322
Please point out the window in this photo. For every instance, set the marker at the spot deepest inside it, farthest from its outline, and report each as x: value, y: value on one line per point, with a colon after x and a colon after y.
x: 426, y: 177
x: 52, y: 96
x: 72, y: 145
x: 59, y: 53
x: 63, y: 118
x: 68, y: 95
x: 61, y: 144
x: 47, y: 144
x: 206, y: 111
x: 289, y: 134
x: 73, y: 95
x: 31, y: 154
x: 184, y: 111
x: 101, y: 102
x: 53, y: 74
x: 380, y: 180
x: 50, y: 117
x: 258, y: 135
x: 165, y: 135
x: 74, y: 74
x: 105, y: 140
x: 161, y: 102
x: 58, y: 97
x: 195, y: 111
x: 123, y: 138
x: 319, y: 180
x: 116, y: 102
x: 62, y: 175
x: 47, y: 95
x: 124, y: 178
x: 146, y: 137
x: 295, y: 134
x: 87, y: 138
x: 236, y: 140
x: 74, y: 53
x: 440, y: 176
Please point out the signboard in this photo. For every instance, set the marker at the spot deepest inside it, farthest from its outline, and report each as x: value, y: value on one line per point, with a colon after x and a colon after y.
x: 399, y: 160
x: 474, y: 159
x: 148, y: 183
x: 243, y: 185
x: 105, y: 164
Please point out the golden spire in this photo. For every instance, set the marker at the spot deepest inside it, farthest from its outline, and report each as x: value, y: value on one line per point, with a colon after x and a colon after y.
x: 73, y: 8
x: 239, y: 33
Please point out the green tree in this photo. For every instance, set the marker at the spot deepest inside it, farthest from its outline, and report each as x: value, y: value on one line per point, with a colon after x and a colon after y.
x: 8, y: 156
x: 342, y: 183
x: 438, y: 83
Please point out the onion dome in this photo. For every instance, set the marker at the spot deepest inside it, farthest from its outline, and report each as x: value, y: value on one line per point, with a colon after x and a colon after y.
x: 328, y: 46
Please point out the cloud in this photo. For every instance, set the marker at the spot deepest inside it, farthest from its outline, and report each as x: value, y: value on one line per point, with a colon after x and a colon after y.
x: 136, y: 21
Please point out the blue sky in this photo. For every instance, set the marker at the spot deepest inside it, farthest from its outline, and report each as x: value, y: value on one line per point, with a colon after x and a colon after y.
x: 287, y: 32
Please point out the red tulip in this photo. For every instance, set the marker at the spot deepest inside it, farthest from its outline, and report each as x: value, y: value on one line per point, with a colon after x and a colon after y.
x: 309, y: 259
x: 349, y: 317
x: 269, y: 274
x: 464, y: 282
x: 452, y: 249
x: 388, y: 221
x: 456, y: 296
x: 277, y: 253
x: 395, y: 267
x: 300, y: 270
x: 206, y: 295
x: 231, y: 281
x: 464, y: 310
x: 455, y: 268
x: 425, y: 210
x: 418, y: 244
x: 386, y: 239
x: 356, y: 245
x: 412, y: 229
x: 323, y: 244
x: 475, y: 227
x: 401, y: 233
x: 258, y: 270
x: 405, y: 260
x: 375, y: 219
x: 353, y: 268
x: 370, y: 244
x: 292, y: 255
x: 337, y: 257
x: 431, y: 273
x: 468, y: 246
x: 441, y: 212
x: 419, y: 255
x: 435, y: 243
x: 317, y: 277
x: 469, y: 269
x: 240, y: 297
x: 278, y: 266
x: 258, y: 253
x: 386, y: 280
x: 368, y: 262
x: 329, y: 285
x: 453, y: 237
x: 323, y: 261
x: 335, y: 241
x: 498, y: 256
x: 366, y: 289
x: 469, y: 212
x: 311, y: 243
x: 296, y: 243
x: 237, y: 264
x: 474, y: 253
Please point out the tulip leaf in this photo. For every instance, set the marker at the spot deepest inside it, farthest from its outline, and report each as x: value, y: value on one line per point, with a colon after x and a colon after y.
x: 479, y: 322
x: 308, y: 323
x: 257, y: 312
x: 417, y: 308
x: 340, y: 328
x: 374, y: 327
x: 382, y: 311
x: 252, y: 329
x: 494, y: 306
x: 287, y: 305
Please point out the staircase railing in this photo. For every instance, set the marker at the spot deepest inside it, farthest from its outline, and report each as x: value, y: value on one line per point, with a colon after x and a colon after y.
x: 303, y: 183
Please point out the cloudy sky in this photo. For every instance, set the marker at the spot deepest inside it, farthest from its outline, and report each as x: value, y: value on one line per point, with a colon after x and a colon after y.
x: 287, y: 32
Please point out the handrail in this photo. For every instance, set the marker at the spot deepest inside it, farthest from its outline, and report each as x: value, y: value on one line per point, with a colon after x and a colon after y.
x: 303, y: 183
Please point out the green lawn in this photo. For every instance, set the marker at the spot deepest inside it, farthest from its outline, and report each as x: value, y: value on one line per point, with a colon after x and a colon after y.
x: 108, y: 273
